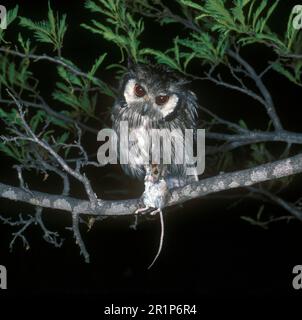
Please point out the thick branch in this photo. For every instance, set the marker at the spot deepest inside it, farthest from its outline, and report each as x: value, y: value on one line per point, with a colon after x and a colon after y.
x: 258, y: 136
x: 243, y: 178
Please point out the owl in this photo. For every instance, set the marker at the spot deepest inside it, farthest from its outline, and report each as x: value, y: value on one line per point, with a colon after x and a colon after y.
x: 154, y: 97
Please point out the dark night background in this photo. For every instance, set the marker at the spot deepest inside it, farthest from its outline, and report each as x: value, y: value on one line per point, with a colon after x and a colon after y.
x: 209, y: 252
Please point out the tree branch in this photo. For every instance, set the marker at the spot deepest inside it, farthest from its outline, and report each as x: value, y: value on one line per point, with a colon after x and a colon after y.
x: 59, y: 61
x: 269, y: 104
x: 44, y: 106
x: 258, y: 136
x: 290, y: 207
x: 55, y: 60
x: 243, y: 178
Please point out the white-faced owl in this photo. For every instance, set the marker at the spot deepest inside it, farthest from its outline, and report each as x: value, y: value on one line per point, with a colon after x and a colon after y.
x: 154, y: 97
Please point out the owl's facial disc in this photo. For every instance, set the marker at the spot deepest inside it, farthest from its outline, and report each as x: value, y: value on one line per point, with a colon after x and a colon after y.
x: 169, y: 105
x: 134, y: 92
x: 163, y: 103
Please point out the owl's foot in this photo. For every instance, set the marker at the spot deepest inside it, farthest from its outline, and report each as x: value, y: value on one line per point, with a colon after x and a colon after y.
x: 150, y: 210
x: 141, y: 210
x: 154, y: 212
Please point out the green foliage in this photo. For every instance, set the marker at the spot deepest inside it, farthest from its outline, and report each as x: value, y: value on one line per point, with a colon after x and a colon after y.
x: 16, y: 76
x: 242, y: 124
x: 205, y: 48
x: 163, y: 58
x: 220, y: 24
x: 25, y: 45
x: 214, y: 27
x: 75, y: 90
x: 260, y: 154
x: 17, y: 152
x: 49, y: 31
x: 292, y: 72
x: 10, y: 18
x: 10, y: 117
x: 246, y: 21
x: 291, y: 37
x: 244, y: 16
x: 121, y: 27
x: 20, y: 150
x: 74, y: 93
x: 96, y: 65
x: 200, y: 46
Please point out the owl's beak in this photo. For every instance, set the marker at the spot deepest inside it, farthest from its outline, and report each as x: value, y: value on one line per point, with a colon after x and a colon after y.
x: 145, y: 109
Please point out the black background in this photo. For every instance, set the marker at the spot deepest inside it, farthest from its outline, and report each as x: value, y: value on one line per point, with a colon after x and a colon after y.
x: 209, y: 252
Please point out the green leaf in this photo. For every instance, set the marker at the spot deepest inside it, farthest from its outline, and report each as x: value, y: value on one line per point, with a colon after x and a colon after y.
x: 41, y: 29
x: 58, y: 122
x: 63, y: 138
x: 250, y: 12
x: 51, y: 31
x: 192, y: 5
x: 38, y: 118
x: 220, y: 13
x: 121, y: 28
x: 11, y: 16
x: 258, y: 12
x: 24, y: 44
x: 161, y: 58
x: 69, y: 77
x: 9, y: 151
x: 238, y: 12
x: 96, y: 65
x: 270, y: 12
x: 286, y: 73
x: 11, y: 73
x: 243, y: 124
x: 188, y: 59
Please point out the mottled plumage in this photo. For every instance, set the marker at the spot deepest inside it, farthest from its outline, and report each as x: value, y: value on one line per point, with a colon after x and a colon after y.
x: 153, y: 97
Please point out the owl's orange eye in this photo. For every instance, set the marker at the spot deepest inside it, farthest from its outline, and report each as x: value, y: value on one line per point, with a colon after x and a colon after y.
x: 161, y: 100
x: 139, y: 91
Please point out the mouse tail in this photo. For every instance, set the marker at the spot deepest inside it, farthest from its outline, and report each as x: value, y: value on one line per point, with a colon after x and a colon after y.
x: 161, y: 241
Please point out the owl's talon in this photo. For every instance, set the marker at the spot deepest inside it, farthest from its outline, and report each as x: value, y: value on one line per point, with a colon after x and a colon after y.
x: 153, y: 213
x: 141, y: 210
